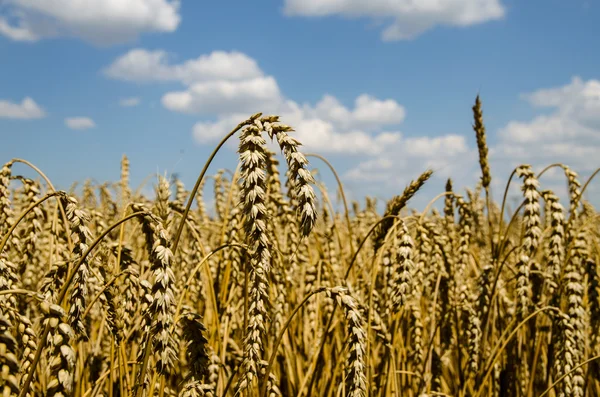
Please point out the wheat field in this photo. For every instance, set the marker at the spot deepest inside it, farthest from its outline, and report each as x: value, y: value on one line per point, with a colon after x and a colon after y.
x: 274, y: 293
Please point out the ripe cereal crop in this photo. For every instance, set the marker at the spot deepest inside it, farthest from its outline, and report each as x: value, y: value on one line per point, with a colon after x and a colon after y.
x: 109, y: 292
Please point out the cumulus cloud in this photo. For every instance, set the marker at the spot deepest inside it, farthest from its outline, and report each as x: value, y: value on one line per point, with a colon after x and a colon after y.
x: 216, y: 83
x: 79, y: 123
x: 27, y: 109
x: 102, y: 22
x: 211, y: 131
x: 409, y: 18
x: 223, y: 96
x: 566, y: 129
x: 129, y: 102
x: 316, y: 134
x: 368, y: 112
x: 570, y: 133
x: 372, y: 170
x: 328, y: 125
x: 229, y: 86
x: 21, y: 32
x: 319, y: 128
x: 448, y: 155
x: 141, y: 65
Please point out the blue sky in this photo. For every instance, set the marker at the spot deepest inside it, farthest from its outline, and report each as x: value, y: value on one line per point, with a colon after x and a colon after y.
x: 382, y: 89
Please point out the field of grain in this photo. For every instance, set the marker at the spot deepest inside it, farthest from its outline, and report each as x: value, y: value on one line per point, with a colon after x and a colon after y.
x: 112, y: 293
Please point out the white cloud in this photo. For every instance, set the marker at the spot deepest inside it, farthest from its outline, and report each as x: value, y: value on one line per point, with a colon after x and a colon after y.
x: 79, y: 123
x: 409, y: 18
x: 368, y: 112
x: 217, y: 83
x: 229, y: 86
x: 569, y: 134
x: 436, y: 147
x: 142, y: 65
x: 314, y: 134
x: 27, y: 109
x: 374, y: 170
x: 209, y: 131
x: 326, y: 127
x: 319, y: 135
x: 129, y: 102
x: 222, y: 96
x: 22, y: 32
x: 448, y: 155
x: 102, y: 22
x: 384, y: 160
x: 578, y: 101
x: 326, y: 119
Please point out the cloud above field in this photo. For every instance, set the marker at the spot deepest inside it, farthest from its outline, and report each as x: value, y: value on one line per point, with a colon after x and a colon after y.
x: 328, y: 126
x: 317, y: 129
x: 408, y: 18
x: 216, y: 83
x: 224, y: 88
x: 368, y: 112
x: 222, y: 96
x: 568, y: 133
x: 146, y: 66
x: 229, y: 86
x: 27, y: 109
x: 566, y: 129
x: 447, y: 155
x: 102, y: 22
x: 79, y: 123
